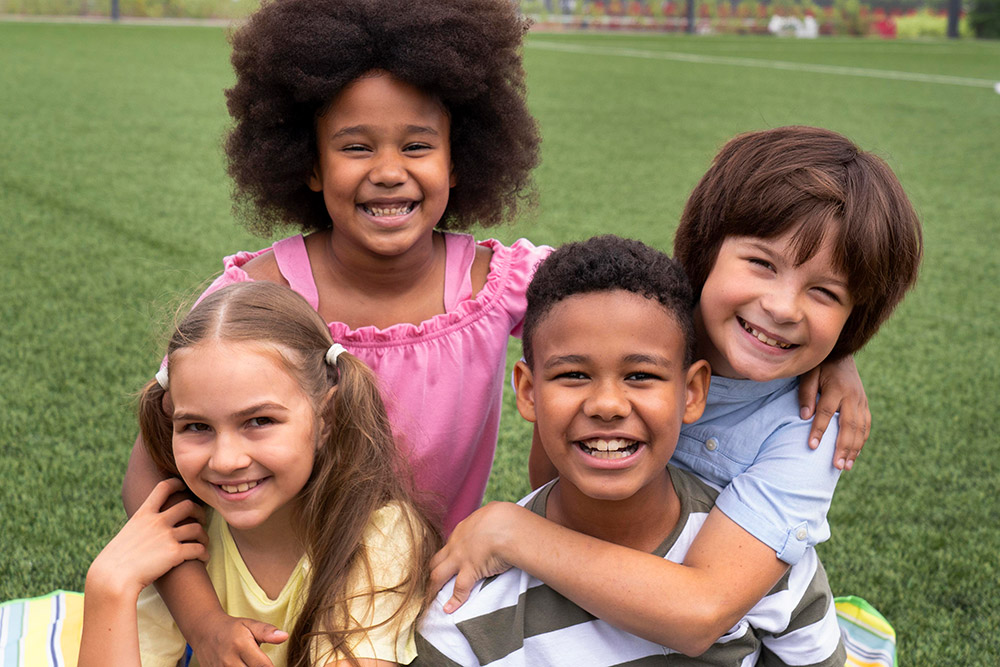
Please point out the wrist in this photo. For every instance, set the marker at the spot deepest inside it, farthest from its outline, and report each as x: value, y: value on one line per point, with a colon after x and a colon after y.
x: 513, y: 528
x: 107, y: 588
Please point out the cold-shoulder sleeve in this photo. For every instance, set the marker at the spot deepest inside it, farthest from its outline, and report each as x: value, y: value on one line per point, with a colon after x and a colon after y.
x: 389, y: 543
x: 511, y: 271
x: 232, y: 272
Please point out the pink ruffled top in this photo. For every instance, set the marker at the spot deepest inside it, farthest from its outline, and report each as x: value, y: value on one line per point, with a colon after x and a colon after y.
x: 442, y: 379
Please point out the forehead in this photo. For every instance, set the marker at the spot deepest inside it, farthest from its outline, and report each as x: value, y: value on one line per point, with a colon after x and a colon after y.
x: 616, y: 323
x: 379, y: 98
x: 230, y: 369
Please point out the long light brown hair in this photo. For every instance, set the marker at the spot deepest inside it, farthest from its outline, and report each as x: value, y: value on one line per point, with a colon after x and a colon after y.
x: 357, y: 469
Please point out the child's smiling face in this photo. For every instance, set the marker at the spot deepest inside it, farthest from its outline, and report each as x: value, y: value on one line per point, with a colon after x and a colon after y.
x: 608, y: 391
x: 384, y: 164
x: 244, y: 432
x: 761, y: 317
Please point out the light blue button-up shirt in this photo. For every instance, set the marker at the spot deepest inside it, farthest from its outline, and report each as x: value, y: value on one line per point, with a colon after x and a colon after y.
x: 752, y: 444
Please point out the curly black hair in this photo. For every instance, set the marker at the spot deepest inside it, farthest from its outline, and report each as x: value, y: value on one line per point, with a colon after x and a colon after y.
x: 605, y: 263
x: 294, y: 56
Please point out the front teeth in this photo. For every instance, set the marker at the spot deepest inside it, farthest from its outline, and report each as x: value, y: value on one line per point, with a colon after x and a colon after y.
x: 763, y: 337
x: 610, y: 449
x: 387, y: 211
x: 238, y: 488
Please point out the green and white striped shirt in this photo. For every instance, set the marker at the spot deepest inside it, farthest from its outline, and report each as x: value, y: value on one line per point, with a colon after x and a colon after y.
x: 514, y: 619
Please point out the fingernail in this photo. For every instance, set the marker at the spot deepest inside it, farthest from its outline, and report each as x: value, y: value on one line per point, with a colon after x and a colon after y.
x: 814, y: 443
x: 449, y: 607
x: 850, y: 464
x: 804, y: 412
x: 842, y: 463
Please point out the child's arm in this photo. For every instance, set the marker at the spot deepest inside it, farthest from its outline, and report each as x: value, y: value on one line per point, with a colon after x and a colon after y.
x: 153, y: 541
x: 840, y: 390
x: 686, y: 607
x: 216, y: 637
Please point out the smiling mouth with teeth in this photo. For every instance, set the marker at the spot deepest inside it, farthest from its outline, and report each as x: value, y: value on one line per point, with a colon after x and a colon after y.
x: 763, y: 337
x: 609, y: 449
x: 239, y: 488
x: 388, y: 211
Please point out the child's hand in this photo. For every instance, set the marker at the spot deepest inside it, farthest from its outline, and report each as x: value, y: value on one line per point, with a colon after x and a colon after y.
x: 473, y: 551
x: 151, y: 543
x: 227, y: 641
x: 840, y: 390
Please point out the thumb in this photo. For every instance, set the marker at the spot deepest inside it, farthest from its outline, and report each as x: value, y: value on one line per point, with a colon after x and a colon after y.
x: 463, y: 586
x: 265, y: 633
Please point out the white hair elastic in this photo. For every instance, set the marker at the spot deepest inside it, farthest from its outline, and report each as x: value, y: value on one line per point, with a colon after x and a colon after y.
x: 333, y: 353
x: 163, y: 379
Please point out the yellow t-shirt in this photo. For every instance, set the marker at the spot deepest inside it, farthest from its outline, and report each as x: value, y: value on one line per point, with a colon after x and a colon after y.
x: 387, y: 540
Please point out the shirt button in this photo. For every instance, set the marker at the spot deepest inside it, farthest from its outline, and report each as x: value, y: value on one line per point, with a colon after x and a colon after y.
x: 711, y: 444
x: 801, y: 534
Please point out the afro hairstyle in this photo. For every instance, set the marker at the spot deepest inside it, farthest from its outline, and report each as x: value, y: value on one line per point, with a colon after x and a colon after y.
x: 293, y: 57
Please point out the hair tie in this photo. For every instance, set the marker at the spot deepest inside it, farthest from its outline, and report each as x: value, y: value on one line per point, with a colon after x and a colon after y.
x: 333, y: 353
x: 163, y: 379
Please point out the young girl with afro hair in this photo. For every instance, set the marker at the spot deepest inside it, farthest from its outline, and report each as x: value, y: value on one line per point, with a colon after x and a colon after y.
x: 371, y: 127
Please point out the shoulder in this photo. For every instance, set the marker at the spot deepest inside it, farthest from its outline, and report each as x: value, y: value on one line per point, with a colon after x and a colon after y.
x: 480, y: 268
x: 393, y: 533
x: 265, y: 267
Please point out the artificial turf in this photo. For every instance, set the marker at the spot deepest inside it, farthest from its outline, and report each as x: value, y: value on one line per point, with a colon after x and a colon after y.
x: 114, y: 207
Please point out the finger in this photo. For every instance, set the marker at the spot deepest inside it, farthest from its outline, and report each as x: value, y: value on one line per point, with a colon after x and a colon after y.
x: 186, y: 511
x: 254, y: 657
x: 463, y: 586
x: 439, y: 557
x: 440, y: 574
x: 808, y: 389
x: 193, y: 551
x: 191, y: 532
x: 163, y: 490
x: 820, y: 423
x: 264, y: 633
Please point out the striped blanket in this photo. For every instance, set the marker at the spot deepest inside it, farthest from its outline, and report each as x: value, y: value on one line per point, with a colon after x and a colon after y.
x: 41, y: 632
x: 45, y: 632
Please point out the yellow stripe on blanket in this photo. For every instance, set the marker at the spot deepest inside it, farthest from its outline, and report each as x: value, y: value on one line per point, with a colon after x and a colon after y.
x: 861, y: 612
x: 41, y: 632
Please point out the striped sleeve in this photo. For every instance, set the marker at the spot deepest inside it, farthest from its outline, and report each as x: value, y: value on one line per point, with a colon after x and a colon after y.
x: 797, y: 622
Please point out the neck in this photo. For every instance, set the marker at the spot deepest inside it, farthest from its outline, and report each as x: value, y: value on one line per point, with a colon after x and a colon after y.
x: 640, y: 522
x: 369, y: 272
x: 271, y: 550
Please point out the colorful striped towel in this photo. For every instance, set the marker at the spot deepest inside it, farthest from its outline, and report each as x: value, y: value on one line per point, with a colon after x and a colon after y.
x: 45, y: 632
x: 41, y: 632
x: 869, y: 639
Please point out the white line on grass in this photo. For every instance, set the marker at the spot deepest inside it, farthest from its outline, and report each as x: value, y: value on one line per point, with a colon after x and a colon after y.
x: 767, y: 64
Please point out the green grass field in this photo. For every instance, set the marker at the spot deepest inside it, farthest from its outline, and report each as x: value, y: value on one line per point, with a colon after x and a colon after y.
x: 114, y: 207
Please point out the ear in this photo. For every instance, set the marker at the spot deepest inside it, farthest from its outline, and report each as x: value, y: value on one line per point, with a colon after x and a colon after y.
x: 699, y: 376
x: 315, y: 181
x: 524, y: 385
x: 452, y: 177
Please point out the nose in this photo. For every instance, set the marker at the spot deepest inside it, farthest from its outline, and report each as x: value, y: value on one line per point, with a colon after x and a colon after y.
x: 607, y: 402
x: 388, y: 169
x: 782, y: 304
x: 228, y: 454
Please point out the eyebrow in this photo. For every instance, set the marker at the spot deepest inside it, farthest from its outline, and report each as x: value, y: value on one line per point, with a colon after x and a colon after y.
x: 763, y: 247
x: 242, y: 414
x: 638, y: 358
x: 655, y: 359
x: 365, y: 129
x: 564, y: 359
